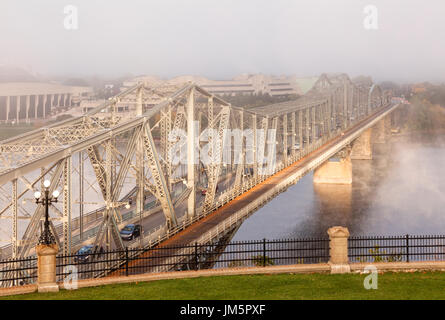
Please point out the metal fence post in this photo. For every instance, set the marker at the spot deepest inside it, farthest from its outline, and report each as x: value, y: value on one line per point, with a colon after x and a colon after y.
x: 264, y: 252
x: 196, y: 256
x: 407, y: 248
x: 126, y: 261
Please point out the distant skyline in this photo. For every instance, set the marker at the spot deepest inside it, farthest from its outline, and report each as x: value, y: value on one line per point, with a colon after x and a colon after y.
x: 221, y: 39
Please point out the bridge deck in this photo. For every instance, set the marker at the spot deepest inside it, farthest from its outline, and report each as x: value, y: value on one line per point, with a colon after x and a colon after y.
x: 193, y: 232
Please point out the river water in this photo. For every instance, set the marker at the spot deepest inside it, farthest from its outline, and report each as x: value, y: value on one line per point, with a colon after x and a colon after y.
x: 401, y: 191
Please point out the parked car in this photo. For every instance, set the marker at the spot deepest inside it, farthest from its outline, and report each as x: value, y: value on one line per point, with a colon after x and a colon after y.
x: 86, y: 253
x: 131, y: 231
x: 296, y: 146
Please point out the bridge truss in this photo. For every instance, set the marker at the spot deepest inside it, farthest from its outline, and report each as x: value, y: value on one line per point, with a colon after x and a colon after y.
x: 106, y: 161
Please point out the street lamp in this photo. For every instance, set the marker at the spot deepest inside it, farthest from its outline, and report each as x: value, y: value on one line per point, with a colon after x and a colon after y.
x: 46, y: 237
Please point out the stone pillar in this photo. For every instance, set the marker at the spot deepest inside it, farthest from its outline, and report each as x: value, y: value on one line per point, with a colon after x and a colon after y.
x: 334, y: 172
x: 51, y: 103
x: 17, y: 110
x: 338, y: 249
x: 362, y: 147
x: 36, y: 105
x: 45, y: 99
x: 28, y: 104
x: 8, y: 107
x: 46, y: 268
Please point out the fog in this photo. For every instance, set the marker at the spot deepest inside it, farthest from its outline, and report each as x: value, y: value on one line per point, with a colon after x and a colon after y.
x: 221, y: 38
x: 399, y: 192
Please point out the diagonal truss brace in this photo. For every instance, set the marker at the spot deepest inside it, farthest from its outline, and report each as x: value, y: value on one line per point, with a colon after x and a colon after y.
x: 154, y: 166
x: 214, y: 167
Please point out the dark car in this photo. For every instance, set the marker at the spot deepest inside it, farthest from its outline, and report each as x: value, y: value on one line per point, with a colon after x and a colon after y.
x: 86, y: 253
x: 131, y: 231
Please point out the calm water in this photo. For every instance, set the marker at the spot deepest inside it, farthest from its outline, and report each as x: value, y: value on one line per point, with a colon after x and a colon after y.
x: 400, y: 191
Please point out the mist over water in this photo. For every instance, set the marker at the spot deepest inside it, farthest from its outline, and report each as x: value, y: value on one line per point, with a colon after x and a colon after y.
x: 400, y: 191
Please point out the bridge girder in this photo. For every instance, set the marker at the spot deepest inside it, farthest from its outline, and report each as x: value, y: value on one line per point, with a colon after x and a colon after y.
x: 103, y: 133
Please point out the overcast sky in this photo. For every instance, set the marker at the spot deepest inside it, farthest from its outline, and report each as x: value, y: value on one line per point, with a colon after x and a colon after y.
x: 222, y: 38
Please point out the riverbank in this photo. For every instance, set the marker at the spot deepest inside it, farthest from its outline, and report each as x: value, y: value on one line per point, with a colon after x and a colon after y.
x: 406, y: 286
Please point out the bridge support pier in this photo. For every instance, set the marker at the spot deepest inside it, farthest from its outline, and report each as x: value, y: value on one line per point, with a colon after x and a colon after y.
x: 46, y: 268
x: 362, y: 147
x: 382, y: 130
x: 334, y: 172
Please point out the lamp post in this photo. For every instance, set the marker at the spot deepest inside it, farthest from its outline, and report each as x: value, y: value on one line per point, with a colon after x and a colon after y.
x: 46, y: 238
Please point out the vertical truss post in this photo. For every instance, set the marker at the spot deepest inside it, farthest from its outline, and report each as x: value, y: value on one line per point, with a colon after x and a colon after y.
x: 285, y: 137
x: 300, y: 128
x: 254, y: 151
x: 345, y: 105
x: 211, y: 127
x: 81, y: 193
x: 240, y: 160
x: 271, y: 139
x: 191, y: 202
x: 108, y: 200
x: 313, y: 125
x: 307, y: 123
x: 261, y: 141
x: 14, y: 219
x: 67, y: 206
x: 139, y: 101
x: 329, y: 116
x: 42, y: 187
x: 325, y: 118
x: 140, y: 177
x: 294, y: 134
x: 166, y: 126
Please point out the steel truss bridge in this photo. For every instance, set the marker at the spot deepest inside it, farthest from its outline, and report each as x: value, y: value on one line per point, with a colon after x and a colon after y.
x: 106, y: 161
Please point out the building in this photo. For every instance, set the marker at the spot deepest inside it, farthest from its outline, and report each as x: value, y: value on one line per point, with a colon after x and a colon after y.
x: 24, y: 101
x: 243, y: 84
x: 246, y: 84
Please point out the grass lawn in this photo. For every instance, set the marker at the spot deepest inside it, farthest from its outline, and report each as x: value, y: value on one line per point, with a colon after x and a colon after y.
x: 426, y: 285
x: 8, y: 131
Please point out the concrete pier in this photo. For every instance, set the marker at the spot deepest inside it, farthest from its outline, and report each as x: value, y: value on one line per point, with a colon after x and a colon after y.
x: 362, y: 147
x: 334, y: 172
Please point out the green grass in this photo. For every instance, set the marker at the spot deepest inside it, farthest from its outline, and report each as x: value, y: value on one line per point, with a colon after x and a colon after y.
x: 8, y: 131
x: 428, y: 285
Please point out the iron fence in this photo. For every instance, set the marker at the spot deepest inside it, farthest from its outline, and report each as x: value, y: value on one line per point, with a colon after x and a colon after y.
x: 225, y: 255
x: 17, y: 272
x: 396, y: 248
x: 195, y: 256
